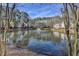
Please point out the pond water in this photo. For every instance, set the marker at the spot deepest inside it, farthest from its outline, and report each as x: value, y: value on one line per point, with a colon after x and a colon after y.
x: 43, y: 42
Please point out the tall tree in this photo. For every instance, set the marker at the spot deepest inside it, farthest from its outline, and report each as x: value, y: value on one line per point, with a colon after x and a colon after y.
x: 13, y: 13
x: 67, y: 26
x: 74, y: 10
x: 0, y: 28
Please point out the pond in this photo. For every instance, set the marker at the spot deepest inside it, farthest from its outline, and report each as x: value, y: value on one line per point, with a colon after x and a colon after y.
x: 39, y: 41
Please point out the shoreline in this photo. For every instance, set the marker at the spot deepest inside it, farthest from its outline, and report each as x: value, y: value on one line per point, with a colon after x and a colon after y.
x: 21, y: 52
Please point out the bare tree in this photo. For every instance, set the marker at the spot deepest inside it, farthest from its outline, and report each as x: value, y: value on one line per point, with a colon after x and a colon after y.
x: 67, y: 25
x: 13, y: 13
x: 72, y: 49
x: 74, y: 11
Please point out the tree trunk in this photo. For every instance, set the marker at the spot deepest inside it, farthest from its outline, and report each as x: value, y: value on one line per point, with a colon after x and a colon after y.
x: 67, y: 24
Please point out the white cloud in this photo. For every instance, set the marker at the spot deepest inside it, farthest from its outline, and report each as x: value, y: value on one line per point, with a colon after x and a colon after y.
x: 42, y: 13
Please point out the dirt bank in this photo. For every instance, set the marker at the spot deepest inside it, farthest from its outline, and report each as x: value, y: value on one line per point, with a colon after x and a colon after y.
x: 21, y: 52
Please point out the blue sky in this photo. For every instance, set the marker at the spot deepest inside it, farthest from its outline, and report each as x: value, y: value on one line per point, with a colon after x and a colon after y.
x: 41, y: 10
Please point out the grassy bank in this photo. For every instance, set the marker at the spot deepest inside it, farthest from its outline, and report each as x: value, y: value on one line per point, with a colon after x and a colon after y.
x: 61, y: 30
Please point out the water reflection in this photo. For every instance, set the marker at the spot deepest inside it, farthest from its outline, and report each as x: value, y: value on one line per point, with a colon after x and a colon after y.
x: 44, y: 42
